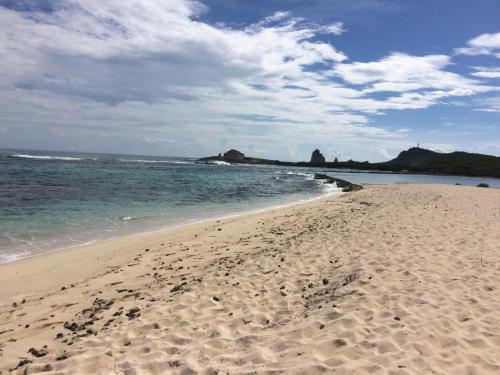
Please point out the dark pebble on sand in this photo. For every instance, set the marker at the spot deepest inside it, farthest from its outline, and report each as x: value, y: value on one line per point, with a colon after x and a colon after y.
x: 71, y: 326
x: 38, y: 352
x: 62, y: 357
x: 133, y: 313
x: 46, y: 368
x: 340, y: 342
x: 216, y: 299
x: 21, y: 363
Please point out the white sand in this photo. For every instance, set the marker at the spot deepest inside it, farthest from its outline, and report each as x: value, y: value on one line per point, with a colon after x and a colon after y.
x: 401, y: 279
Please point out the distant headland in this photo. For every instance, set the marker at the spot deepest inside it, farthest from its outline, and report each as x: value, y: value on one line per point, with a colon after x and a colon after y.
x: 413, y: 160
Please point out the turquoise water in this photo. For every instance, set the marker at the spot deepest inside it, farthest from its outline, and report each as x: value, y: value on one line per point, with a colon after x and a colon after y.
x: 50, y: 200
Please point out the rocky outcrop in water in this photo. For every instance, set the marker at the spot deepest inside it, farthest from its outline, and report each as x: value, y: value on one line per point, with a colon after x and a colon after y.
x: 346, y: 186
x: 317, y: 157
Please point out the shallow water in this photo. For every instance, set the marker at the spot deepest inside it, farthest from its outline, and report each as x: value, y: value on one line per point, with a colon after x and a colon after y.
x: 50, y: 200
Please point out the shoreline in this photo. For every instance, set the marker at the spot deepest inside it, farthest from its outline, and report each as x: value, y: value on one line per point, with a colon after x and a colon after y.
x: 393, y: 279
x: 100, y: 248
x: 177, y: 226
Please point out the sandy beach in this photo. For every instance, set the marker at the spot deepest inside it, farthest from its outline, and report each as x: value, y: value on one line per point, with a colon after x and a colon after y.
x: 393, y: 279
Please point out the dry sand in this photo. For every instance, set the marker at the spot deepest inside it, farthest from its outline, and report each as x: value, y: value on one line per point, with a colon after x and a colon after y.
x: 398, y: 279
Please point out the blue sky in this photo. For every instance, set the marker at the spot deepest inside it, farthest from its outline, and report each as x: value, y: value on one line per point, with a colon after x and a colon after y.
x: 358, y: 79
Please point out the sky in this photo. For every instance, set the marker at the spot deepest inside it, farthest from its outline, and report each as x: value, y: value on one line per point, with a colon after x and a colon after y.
x: 361, y: 79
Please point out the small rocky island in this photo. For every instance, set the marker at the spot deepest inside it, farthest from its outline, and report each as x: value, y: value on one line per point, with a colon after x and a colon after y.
x: 413, y: 160
x: 317, y: 157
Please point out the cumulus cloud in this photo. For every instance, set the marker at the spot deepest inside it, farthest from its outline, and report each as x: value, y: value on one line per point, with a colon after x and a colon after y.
x: 154, y: 71
x: 119, y: 50
x: 484, y: 44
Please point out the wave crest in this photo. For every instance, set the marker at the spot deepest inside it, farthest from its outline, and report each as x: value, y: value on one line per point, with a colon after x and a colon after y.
x: 47, y: 157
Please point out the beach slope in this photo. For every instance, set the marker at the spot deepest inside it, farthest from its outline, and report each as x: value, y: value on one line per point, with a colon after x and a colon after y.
x: 392, y: 279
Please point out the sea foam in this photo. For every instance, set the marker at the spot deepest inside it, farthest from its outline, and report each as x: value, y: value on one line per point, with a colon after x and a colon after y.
x: 47, y: 157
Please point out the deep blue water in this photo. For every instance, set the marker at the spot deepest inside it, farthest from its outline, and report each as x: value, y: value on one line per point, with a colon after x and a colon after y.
x: 50, y: 200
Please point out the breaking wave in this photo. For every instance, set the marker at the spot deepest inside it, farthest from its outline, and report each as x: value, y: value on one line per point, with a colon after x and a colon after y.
x: 47, y: 157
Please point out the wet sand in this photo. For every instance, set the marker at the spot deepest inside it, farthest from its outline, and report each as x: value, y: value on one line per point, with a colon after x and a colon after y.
x: 393, y: 279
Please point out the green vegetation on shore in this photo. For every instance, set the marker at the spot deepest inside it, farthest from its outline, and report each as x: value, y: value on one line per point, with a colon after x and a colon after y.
x: 413, y: 160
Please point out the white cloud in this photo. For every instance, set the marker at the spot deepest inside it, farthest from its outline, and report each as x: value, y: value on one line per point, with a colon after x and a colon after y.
x: 142, y: 50
x: 486, y: 72
x: 154, y: 72
x: 491, y: 104
x: 277, y: 16
x: 403, y: 73
x: 336, y: 29
x: 385, y: 154
x: 484, y: 44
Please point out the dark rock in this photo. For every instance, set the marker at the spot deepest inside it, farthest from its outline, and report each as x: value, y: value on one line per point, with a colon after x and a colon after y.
x: 133, y: 313
x: 317, y: 157
x: 233, y: 156
x: 346, y: 186
x: 340, y: 342
x: 46, y: 368
x: 71, y: 326
x: 483, y: 185
x: 38, y: 352
x: 62, y: 357
x: 349, y: 279
x: 21, y: 363
x: 177, y: 287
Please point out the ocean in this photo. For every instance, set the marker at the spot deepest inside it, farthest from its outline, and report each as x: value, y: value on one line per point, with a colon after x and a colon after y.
x: 52, y: 200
